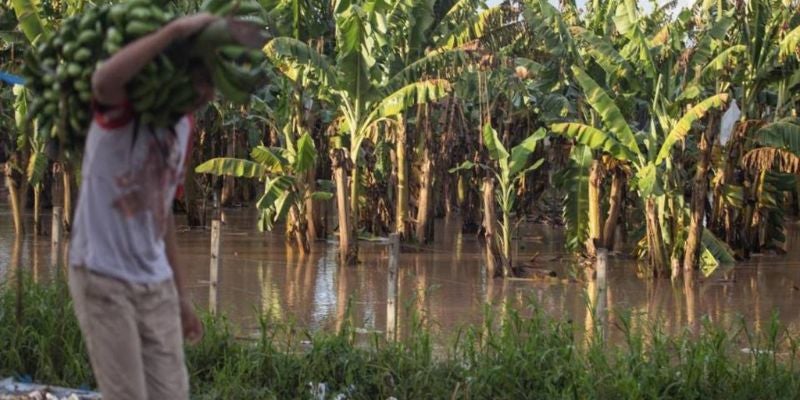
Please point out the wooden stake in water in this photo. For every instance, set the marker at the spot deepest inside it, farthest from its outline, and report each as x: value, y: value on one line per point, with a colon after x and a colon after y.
x: 602, y: 268
x: 391, y: 289
x: 601, y: 306
x: 55, y: 236
x: 213, y: 274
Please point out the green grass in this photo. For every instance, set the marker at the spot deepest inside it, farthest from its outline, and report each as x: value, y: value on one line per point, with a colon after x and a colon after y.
x: 513, y: 358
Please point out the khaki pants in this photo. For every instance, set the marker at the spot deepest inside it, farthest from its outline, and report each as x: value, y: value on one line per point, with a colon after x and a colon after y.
x: 133, y: 334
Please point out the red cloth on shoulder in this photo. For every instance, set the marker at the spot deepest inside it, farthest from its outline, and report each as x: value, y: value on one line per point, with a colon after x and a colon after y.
x: 112, y: 117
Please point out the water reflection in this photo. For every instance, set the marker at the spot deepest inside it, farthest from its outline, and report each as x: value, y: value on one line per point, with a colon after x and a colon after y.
x: 445, y: 285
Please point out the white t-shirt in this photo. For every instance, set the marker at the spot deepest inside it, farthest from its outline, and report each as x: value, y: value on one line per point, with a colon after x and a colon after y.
x: 128, y: 183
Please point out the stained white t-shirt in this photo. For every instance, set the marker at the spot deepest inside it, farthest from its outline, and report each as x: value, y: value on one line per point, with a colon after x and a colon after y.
x: 128, y: 183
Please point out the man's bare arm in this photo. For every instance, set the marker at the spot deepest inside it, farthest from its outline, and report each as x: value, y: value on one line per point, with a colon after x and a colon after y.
x: 111, y: 77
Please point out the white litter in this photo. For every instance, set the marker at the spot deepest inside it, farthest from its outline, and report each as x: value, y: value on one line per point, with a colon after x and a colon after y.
x: 728, y: 121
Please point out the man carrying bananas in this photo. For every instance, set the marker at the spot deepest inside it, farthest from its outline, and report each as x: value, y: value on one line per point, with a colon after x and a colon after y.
x: 125, y: 278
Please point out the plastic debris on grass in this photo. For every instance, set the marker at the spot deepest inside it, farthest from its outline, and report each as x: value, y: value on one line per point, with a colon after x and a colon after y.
x: 13, y: 390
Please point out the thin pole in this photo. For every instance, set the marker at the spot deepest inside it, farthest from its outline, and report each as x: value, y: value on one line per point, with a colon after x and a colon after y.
x: 213, y: 274
x: 391, y: 290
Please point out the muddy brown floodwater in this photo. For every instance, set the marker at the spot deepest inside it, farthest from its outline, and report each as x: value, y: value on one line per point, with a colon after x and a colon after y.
x: 445, y: 283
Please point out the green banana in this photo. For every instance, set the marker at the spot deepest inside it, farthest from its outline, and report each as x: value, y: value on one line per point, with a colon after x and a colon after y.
x: 113, y: 35
x: 88, y: 38
x: 83, y: 55
x: 74, y: 70
x: 249, y: 7
x: 225, y: 86
x: 139, y: 28
x: 81, y: 85
x: 140, y: 13
x: 232, y: 52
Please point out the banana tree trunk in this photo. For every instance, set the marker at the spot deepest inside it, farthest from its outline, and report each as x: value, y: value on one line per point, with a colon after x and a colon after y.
x: 490, y: 223
x: 424, y: 206
x: 16, y: 190
x: 425, y: 192
x: 67, y: 184
x: 299, y: 229
x: 347, y: 247
x: 310, y: 206
x: 37, y: 209
x: 401, y: 207
x: 655, y: 242
x: 355, y: 186
x: 691, y: 248
x: 508, y: 269
x: 614, y: 209
x: 595, y: 228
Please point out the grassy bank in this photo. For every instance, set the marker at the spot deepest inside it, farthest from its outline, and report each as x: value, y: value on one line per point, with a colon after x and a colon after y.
x: 534, y: 357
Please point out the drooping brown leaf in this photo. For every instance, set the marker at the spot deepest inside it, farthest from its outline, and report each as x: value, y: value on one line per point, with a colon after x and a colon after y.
x: 766, y: 158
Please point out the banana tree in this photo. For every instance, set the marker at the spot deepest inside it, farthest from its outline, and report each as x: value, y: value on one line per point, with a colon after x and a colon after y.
x: 775, y: 162
x: 509, y: 172
x: 582, y: 40
x: 35, y: 141
x: 285, y: 192
x: 25, y: 161
x: 766, y: 34
x: 646, y: 152
x: 356, y: 85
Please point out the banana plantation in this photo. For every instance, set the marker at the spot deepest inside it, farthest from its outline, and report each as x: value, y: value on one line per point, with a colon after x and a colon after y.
x: 664, y: 132
x: 668, y: 132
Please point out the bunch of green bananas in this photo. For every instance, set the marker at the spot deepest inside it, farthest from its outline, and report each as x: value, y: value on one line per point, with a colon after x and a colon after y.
x: 58, y: 73
x: 58, y: 69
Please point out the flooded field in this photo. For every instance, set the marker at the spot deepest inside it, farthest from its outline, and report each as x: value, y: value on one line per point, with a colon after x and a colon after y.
x: 445, y: 283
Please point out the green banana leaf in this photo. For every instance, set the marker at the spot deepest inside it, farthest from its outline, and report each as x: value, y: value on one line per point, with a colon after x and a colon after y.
x: 721, y: 61
x: 788, y: 46
x: 418, y: 17
x: 292, y: 56
x: 321, y: 196
x: 493, y: 143
x: 704, y: 48
x: 271, y: 158
x: 306, y: 154
x: 714, y: 251
x: 458, y: 13
x: 609, y: 112
x: 784, y: 134
x: 554, y: 107
x: 235, y: 167
x: 626, y: 17
x: 646, y: 179
x: 354, y: 57
x: 474, y: 28
x: 37, y: 167
x: 407, y: 96
x: 576, y: 203
x: 604, y: 53
x: 283, y: 204
x: 684, y: 125
x: 550, y: 24
x: 595, y: 139
x: 465, y: 166
x: 28, y: 17
x: 522, y: 152
x: 530, y: 65
x: 433, y: 64
x: 274, y: 190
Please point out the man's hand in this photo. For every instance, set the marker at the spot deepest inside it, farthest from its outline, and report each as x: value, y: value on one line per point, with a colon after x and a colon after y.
x: 192, y: 327
x: 186, y: 26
